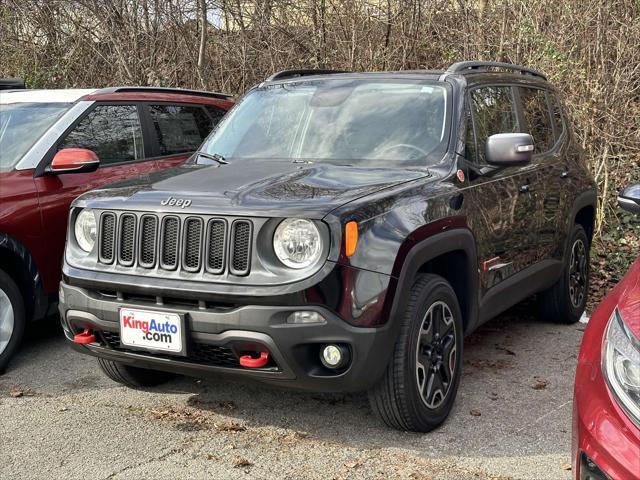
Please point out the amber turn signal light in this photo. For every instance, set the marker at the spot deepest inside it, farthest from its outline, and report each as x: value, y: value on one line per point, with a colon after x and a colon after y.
x: 350, y: 238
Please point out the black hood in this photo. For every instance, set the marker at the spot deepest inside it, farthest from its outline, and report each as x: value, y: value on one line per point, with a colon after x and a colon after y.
x: 250, y: 187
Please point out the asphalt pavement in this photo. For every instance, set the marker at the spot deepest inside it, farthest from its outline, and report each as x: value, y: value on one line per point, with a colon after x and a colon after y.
x: 61, y: 418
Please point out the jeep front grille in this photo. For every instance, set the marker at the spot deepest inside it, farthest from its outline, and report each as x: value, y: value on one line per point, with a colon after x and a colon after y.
x: 170, y: 242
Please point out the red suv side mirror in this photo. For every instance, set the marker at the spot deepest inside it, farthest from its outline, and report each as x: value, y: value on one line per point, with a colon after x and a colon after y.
x: 74, y: 160
x: 629, y: 199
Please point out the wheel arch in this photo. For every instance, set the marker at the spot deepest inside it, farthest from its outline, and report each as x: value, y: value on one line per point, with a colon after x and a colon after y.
x: 18, y: 263
x: 583, y: 212
x: 450, y: 254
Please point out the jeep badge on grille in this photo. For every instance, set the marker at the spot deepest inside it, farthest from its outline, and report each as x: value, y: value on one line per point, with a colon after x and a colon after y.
x: 178, y: 202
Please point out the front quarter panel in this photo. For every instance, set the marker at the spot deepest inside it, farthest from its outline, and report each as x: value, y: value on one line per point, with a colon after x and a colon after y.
x: 388, y: 219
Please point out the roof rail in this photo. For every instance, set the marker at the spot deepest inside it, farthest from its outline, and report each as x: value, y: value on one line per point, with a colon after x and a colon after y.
x: 473, y: 65
x: 12, y: 84
x: 184, y: 91
x: 301, y: 73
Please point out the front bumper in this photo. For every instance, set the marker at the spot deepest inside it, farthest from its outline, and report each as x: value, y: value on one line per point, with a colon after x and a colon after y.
x: 216, y: 336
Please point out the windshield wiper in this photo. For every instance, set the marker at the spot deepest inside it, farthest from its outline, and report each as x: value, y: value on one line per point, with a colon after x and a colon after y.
x: 216, y: 157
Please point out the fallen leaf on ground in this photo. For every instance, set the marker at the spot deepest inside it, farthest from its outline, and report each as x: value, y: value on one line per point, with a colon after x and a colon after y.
x: 240, y: 462
x: 540, y: 383
x: 566, y: 466
x: 211, y: 456
x: 230, y: 427
x: 16, y: 393
x: 475, y: 413
x: 353, y: 464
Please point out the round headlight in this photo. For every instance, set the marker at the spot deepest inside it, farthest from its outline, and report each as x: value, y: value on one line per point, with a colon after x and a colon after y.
x: 85, y: 230
x: 297, y: 243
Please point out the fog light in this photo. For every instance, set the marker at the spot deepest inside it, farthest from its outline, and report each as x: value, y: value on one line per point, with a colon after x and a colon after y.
x: 334, y: 356
x: 305, y: 316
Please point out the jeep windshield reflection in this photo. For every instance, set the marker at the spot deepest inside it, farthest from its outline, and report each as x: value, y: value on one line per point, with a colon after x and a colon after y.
x: 397, y: 122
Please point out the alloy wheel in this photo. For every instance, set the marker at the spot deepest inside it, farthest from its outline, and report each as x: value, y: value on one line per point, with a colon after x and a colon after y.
x: 6, y: 320
x: 578, y: 271
x: 436, y: 355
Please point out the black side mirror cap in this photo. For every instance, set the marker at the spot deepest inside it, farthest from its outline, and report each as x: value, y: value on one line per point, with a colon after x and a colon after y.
x: 629, y: 199
x: 507, y: 149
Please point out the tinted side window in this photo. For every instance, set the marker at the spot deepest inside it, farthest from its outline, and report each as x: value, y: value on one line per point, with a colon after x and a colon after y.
x: 112, y: 131
x: 493, y: 112
x: 536, y: 114
x: 556, y: 115
x: 180, y: 128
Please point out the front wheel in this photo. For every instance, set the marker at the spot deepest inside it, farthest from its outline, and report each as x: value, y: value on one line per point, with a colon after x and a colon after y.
x: 12, y: 319
x: 420, y: 384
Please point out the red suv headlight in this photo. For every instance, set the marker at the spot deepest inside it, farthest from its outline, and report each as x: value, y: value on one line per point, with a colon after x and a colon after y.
x: 621, y: 365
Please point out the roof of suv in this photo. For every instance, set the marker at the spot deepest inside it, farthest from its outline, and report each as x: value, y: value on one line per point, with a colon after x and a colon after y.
x: 459, y: 68
x: 109, y: 94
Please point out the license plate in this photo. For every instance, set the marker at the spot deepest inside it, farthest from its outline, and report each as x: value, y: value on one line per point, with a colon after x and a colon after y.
x: 149, y: 330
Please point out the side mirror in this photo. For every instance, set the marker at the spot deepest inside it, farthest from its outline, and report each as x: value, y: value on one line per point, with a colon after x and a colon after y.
x: 506, y: 149
x: 629, y: 199
x: 74, y: 160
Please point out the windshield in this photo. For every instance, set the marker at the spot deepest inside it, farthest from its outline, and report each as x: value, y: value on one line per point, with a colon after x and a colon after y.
x: 372, y: 122
x: 21, y: 124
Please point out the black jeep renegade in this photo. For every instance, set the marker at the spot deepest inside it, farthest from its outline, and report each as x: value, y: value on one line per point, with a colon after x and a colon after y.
x: 340, y: 232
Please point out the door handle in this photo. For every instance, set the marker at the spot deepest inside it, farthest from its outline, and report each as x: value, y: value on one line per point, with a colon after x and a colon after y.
x: 524, y: 189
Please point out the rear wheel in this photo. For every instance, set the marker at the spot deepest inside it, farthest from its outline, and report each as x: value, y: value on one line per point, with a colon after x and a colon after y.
x: 133, y: 377
x: 566, y: 301
x: 12, y: 319
x: 420, y: 385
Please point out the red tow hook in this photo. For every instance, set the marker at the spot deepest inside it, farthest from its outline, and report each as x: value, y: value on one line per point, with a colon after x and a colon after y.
x: 85, y: 337
x: 249, y: 362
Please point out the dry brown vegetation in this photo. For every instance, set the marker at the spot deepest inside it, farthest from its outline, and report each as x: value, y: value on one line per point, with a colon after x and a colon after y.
x: 589, y: 48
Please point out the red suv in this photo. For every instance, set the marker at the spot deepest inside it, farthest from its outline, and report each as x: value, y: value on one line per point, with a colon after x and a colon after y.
x: 57, y: 144
x: 606, y: 408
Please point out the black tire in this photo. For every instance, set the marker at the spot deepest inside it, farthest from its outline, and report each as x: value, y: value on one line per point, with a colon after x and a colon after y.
x: 9, y: 290
x: 133, y: 377
x: 397, y: 398
x: 559, y: 303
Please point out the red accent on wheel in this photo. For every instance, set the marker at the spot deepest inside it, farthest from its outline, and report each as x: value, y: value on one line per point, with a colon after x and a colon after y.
x: 85, y: 337
x: 460, y: 175
x: 249, y: 362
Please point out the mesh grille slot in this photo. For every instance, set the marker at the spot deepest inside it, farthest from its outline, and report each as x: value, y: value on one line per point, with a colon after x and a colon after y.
x: 241, y: 246
x: 216, y: 246
x: 170, y: 230
x: 107, y: 237
x: 191, y: 244
x: 148, y: 236
x: 127, y: 239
